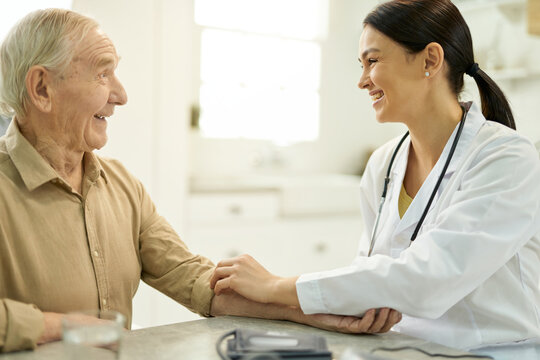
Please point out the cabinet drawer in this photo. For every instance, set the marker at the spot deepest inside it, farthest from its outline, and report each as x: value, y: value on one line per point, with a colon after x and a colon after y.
x: 219, y: 208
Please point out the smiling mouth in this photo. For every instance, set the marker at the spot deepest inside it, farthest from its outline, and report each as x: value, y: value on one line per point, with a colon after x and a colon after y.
x: 377, y: 96
x: 100, y: 117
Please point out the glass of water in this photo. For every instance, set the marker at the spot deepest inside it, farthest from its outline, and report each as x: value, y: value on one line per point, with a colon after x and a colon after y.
x: 93, y: 334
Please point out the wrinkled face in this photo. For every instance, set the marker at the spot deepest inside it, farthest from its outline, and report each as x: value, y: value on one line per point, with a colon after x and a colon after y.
x: 394, y: 78
x: 87, y: 94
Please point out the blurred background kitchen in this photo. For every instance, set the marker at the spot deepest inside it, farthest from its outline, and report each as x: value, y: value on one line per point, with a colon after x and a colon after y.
x: 245, y: 124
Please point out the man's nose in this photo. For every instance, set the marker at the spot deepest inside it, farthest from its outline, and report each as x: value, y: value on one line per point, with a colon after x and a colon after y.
x: 118, y: 94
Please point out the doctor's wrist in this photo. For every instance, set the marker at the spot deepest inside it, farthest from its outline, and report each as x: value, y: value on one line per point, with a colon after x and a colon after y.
x: 284, y: 292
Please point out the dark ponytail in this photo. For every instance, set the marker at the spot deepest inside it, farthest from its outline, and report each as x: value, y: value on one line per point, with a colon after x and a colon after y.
x: 415, y: 23
x: 494, y: 104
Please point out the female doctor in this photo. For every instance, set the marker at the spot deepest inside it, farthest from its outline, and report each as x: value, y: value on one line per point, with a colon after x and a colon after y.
x: 453, y: 242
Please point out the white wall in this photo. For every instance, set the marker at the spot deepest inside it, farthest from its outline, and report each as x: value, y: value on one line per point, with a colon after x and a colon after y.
x: 149, y: 134
x: 131, y: 129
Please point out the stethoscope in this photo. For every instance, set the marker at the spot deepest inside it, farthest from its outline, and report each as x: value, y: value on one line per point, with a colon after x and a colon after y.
x: 387, y: 180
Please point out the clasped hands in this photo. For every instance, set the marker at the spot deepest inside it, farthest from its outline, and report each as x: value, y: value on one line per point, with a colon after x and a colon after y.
x: 245, y: 276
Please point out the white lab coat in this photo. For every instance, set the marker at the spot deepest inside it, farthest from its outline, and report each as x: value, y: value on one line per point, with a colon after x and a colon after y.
x: 472, y: 276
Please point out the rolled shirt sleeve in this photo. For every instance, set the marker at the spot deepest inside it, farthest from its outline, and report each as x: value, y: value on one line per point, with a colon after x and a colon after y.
x: 169, y: 266
x: 21, y: 325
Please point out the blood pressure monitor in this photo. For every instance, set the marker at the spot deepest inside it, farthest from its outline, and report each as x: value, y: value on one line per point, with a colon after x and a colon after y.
x: 274, y: 345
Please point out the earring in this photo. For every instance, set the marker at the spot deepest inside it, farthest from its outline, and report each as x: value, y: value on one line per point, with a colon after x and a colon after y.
x: 427, y: 73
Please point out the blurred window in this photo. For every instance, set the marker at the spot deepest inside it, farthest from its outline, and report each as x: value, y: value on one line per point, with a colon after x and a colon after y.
x: 260, y: 68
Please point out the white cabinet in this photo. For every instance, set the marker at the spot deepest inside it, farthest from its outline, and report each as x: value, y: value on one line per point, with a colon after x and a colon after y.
x: 318, y: 243
x: 215, y: 208
x: 225, y: 225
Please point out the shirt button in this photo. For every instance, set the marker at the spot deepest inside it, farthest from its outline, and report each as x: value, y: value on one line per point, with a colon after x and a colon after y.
x: 96, y: 254
x: 104, y: 301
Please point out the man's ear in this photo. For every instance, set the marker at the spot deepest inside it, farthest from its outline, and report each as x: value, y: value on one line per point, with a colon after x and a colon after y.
x: 39, y: 82
x: 434, y: 58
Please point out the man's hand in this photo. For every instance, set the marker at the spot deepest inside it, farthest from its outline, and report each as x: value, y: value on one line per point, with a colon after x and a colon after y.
x: 231, y: 303
x: 371, y: 323
x: 53, y: 327
x: 53, y: 324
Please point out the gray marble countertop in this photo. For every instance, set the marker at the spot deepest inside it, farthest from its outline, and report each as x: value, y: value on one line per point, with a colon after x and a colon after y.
x: 196, y: 340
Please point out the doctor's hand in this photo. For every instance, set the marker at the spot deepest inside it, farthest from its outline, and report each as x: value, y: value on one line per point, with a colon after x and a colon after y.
x: 372, y: 322
x: 247, y: 277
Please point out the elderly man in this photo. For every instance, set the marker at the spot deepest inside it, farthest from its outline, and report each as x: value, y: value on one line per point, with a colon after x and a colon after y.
x: 78, y: 231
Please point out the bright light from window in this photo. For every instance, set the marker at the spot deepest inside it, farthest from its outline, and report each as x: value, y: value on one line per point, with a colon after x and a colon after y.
x: 261, y: 80
x: 10, y: 14
x: 259, y: 61
x: 303, y: 19
x: 285, y: 116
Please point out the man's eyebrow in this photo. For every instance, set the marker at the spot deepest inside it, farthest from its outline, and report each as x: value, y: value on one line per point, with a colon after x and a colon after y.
x: 107, y: 61
x: 367, y: 51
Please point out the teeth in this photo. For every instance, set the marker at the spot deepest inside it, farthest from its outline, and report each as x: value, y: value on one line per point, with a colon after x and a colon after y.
x: 377, y: 96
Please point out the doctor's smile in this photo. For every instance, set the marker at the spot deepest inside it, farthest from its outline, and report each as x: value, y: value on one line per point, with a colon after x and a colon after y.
x: 376, y: 95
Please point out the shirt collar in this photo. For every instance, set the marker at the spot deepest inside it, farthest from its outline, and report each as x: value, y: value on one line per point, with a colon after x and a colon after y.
x: 33, y: 168
x: 92, y: 168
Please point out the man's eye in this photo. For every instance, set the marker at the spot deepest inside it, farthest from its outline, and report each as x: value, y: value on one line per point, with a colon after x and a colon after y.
x: 372, y: 61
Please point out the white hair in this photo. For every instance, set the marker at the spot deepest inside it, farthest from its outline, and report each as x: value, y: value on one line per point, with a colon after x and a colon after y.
x: 44, y: 37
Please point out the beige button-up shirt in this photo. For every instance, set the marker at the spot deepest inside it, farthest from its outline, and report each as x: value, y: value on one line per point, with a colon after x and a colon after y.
x: 62, y: 252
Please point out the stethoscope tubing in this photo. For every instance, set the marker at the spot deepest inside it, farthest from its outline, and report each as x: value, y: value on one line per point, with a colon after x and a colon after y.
x: 385, y: 188
x: 436, y: 188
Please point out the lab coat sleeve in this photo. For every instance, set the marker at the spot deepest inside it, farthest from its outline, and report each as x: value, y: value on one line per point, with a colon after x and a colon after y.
x: 493, y: 212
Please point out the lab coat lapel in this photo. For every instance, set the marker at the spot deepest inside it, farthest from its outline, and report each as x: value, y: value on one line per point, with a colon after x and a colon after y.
x: 405, y: 227
x: 395, y: 233
x: 390, y: 216
x: 411, y: 217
